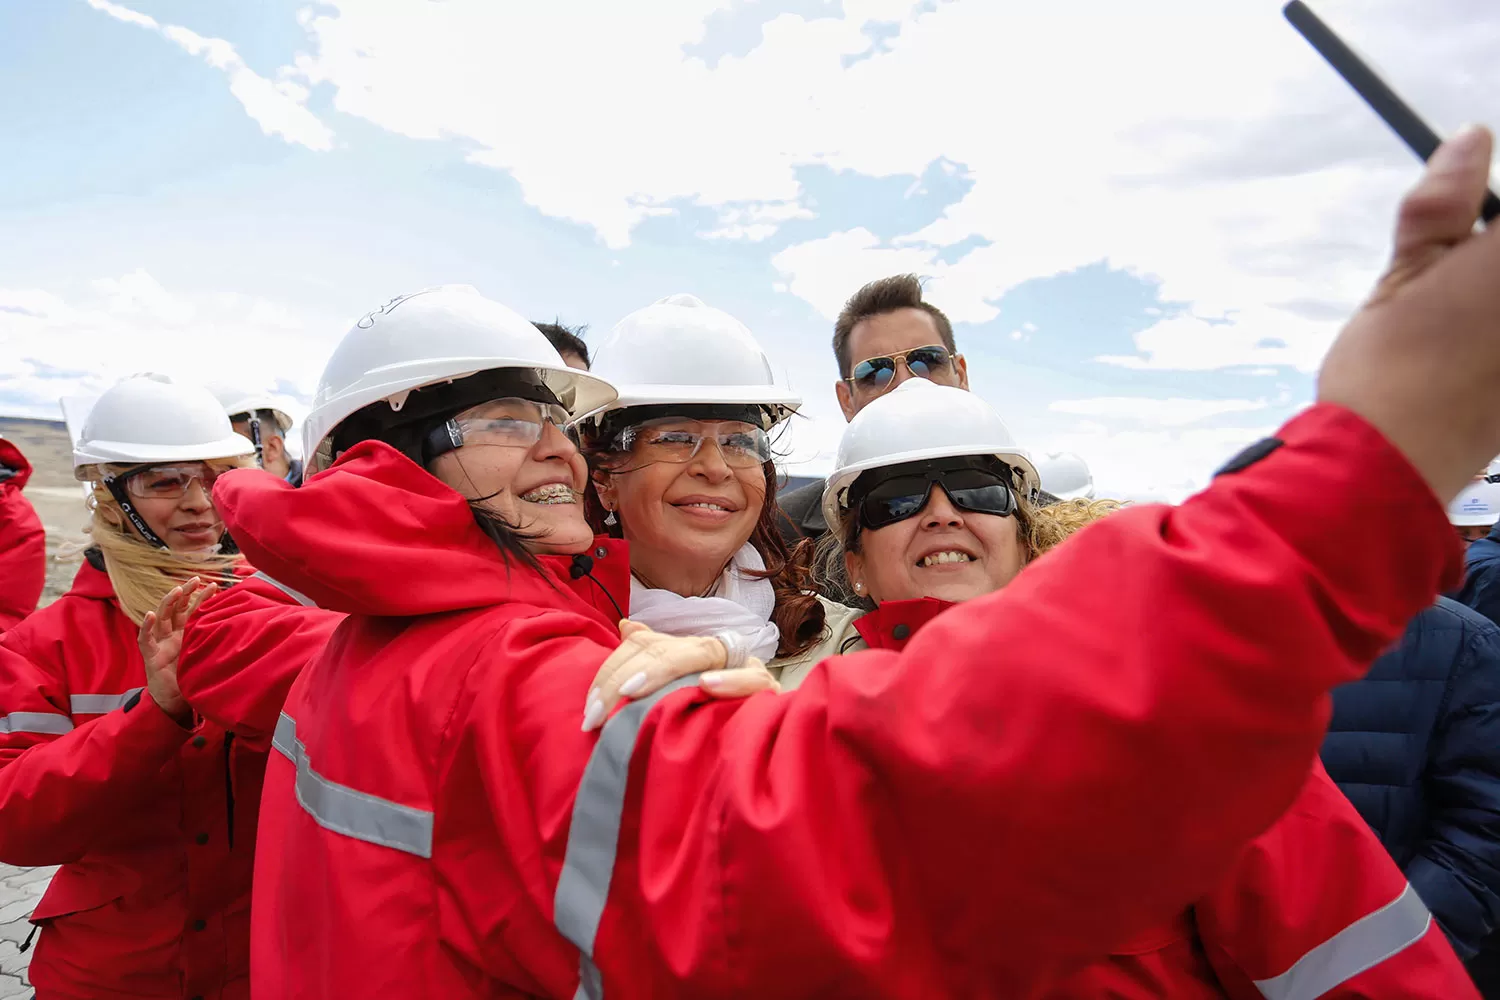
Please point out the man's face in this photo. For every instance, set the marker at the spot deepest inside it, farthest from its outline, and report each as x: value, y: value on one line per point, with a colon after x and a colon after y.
x: 272, y: 447
x: 894, y: 335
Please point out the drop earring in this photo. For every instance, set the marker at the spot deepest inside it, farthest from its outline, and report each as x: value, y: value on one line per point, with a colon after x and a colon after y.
x: 610, y: 519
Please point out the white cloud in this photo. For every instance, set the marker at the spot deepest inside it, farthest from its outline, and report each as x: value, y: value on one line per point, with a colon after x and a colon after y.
x: 1203, y: 145
x: 1173, y: 412
x: 278, y: 107
x: 126, y: 324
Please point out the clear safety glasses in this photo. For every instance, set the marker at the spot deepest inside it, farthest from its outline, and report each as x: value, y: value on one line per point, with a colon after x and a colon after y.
x: 900, y: 497
x: 676, y: 440
x: 510, y: 422
x: 169, y: 482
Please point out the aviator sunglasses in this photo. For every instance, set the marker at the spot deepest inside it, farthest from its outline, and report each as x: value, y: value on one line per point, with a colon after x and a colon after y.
x: 979, y: 491
x: 879, y: 373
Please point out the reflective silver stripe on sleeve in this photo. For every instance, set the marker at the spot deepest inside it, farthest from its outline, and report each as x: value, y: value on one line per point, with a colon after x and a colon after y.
x: 295, y: 595
x: 1362, y: 945
x: 351, y: 812
x: 50, y: 723
x: 593, y: 836
x: 100, y: 704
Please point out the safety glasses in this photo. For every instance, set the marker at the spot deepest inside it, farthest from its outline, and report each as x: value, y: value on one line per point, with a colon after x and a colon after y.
x: 877, y: 374
x: 900, y: 497
x: 168, y: 482
x: 678, y: 441
x: 510, y: 422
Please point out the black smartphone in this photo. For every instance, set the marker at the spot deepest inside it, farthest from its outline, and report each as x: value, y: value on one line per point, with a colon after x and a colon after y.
x: 1396, y: 113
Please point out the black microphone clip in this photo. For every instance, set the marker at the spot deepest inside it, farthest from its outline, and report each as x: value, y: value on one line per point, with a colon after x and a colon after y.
x: 582, y: 566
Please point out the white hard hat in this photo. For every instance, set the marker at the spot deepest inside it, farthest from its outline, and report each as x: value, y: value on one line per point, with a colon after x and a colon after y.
x: 1478, y: 504
x: 679, y: 351
x: 430, y: 337
x: 149, y: 418
x: 1065, y: 476
x: 235, y: 401
x: 921, y: 420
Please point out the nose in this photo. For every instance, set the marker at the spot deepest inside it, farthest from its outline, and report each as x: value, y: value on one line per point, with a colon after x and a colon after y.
x: 940, y: 511
x: 708, y: 461
x: 553, y: 444
x: 196, y: 498
x: 901, y: 373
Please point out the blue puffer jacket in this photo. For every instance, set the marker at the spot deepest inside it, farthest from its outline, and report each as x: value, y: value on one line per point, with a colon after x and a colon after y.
x: 1416, y: 748
x: 1481, y: 589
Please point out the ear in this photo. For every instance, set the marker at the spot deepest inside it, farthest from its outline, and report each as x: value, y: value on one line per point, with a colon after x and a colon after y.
x: 846, y: 399
x: 961, y: 368
x: 854, y: 571
x: 604, y: 485
x: 273, y: 448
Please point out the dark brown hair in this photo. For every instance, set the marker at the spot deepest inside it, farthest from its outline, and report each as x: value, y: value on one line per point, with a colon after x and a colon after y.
x: 566, y: 340
x: 798, y: 612
x: 886, y: 295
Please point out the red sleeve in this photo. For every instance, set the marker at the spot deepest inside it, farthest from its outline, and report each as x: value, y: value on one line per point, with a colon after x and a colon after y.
x: 23, y: 557
x: 943, y: 819
x: 62, y: 783
x: 1316, y: 907
x: 243, y: 649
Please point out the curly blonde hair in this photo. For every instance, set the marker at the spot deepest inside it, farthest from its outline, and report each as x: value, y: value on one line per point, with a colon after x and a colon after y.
x: 141, y: 573
x: 1041, y: 529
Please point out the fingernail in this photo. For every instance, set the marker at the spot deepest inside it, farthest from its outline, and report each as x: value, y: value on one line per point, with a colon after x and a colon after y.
x: 593, y: 716
x: 593, y: 697
x: 633, y: 685
x: 712, y: 679
x: 1460, y: 149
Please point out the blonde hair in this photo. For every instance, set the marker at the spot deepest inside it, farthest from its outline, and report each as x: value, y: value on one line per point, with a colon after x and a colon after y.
x: 1040, y: 529
x: 140, y: 573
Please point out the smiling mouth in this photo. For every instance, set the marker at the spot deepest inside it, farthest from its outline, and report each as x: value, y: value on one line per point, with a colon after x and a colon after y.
x: 705, y: 505
x: 945, y: 558
x: 551, y: 494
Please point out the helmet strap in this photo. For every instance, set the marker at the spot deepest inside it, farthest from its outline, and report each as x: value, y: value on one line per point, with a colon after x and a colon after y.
x: 116, y: 489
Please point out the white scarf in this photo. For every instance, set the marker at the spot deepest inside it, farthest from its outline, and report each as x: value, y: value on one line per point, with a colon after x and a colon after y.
x: 742, y: 605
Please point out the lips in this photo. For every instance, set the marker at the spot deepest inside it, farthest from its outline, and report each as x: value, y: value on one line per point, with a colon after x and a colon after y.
x: 709, y: 503
x: 551, y: 494
x: 946, y: 557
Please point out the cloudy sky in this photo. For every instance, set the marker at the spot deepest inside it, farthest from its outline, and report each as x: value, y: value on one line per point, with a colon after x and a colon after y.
x: 1146, y: 220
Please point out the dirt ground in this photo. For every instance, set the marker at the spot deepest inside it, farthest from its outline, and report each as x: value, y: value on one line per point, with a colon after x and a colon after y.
x: 56, y: 495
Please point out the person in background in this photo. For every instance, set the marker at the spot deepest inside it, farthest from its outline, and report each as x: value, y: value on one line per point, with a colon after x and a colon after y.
x: 1415, y: 745
x: 885, y: 334
x: 102, y: 769
x: 259, y: 418
x: 682, y: 470
x: 23, y: 542
x: 1475, y: 511
x: 569, y: 343
x: 930, y: 503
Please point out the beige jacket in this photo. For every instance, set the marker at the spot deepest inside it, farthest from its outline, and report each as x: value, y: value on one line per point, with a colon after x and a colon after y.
x: 838, y: 629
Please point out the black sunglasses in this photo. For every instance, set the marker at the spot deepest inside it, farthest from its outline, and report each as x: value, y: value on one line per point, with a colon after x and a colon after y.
x: 878, y: 373
x: 978, y: 491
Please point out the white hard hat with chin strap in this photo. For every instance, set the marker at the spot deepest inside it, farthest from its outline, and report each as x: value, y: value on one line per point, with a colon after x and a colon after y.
x: 678, y: 357
x: 150, y: 420
x: 429, y: 338
x: 921, y: 421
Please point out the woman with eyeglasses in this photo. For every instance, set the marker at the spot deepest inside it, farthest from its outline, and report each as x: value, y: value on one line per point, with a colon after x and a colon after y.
x: 683, y: 471
x: 930, y: 507
x: 102, y: 769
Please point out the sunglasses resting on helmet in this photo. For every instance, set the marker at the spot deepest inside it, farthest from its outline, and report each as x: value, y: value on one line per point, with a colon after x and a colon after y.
x: 878, y: 373
x: 898, y: 497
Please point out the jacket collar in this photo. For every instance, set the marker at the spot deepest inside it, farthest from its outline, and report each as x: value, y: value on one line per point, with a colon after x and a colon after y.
x: 893, y: 623
x: 600, y: 578
x: 91, y: 580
